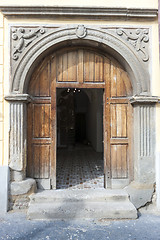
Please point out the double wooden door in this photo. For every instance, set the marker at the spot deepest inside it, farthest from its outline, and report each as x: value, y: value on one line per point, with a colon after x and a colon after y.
x: 79, y: 68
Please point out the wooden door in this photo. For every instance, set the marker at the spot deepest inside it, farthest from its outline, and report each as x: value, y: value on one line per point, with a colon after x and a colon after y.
x: 117, y: 127
x: 80, y: 68
x: 41, y: 119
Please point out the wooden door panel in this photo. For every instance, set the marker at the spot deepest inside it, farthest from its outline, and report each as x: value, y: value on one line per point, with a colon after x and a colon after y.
x: 120, y: 82
x: 79, y: 66
x: 119, y: 163
x: 119, y: 140
x: 72, y: 66
x: 39, y: 125
x: 44, y: 82
x: 93, y: 67
x: 119, y: 120
x: 99, y: 69
x: 66, y: 66
x: 39, y: 85
x: 41, y: 155
x: 41, y: 121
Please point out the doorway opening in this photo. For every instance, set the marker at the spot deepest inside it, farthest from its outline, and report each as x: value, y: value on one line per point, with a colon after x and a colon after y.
x: 79, y: 138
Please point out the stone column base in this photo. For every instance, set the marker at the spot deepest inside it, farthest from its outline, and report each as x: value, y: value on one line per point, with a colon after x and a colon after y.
x: 20, y: 192
x: 140, y: 194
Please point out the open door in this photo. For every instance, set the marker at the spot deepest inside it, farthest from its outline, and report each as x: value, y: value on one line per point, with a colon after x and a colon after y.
x: 117, y: 128
x: 79, y: 68
x: 41, y: 122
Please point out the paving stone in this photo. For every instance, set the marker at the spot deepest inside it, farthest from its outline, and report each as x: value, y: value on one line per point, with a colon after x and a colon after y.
x: 81, y: 168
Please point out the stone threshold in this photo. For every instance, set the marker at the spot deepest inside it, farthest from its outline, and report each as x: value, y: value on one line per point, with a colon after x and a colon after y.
x: 81, y: 204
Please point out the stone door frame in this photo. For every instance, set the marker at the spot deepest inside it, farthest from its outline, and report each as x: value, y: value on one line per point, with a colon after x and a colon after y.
x: 45, y: 40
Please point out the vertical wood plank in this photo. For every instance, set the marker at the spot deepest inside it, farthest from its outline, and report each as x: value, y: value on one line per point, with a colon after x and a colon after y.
x: 113, y: 80
x: 107, y: 74
x: 127, y: 84
x: 97, y: 68
x: 119, y: 120
x: 72, y: 66
x: 36, y: 124
x: 36, y: 161
x: 47, y: 119
x: 107, y: 130
x: 53, y: 123
x: 44, y: 82
x: 124, y: 172
x: 80, y: 67
x: 44, y: 163
x: 113, y: 120
x: 119, y: 161
x: 101, y: 69
x: 59, y: 68
x: 43, y: 123
x: 91, y: 67
x: 37, y: 87
x: 65, y: 67
x: 119, y: 83
x: 124, y: 120
x: 86, y: 67
x: 114, y: 160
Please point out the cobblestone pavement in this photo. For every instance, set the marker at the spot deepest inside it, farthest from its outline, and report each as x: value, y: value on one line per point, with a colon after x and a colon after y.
x: 79, y: 168
x: 15, y: 226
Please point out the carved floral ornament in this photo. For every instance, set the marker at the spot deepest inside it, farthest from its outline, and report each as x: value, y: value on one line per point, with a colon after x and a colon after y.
x: 138, y: 39
x: 23, y: 37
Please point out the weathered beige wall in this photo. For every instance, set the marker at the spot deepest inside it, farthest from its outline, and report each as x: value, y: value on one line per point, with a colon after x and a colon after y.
x: 1, y: 92
x: 99, y: 3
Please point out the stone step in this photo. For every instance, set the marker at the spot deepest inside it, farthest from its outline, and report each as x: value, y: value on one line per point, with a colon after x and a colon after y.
x: 81, y: 204
x: 82, y: 210
x: 98, y: 195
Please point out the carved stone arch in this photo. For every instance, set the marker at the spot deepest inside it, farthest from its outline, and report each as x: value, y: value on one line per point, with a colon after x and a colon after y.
x: 109, y: 42
x: 72, y: 35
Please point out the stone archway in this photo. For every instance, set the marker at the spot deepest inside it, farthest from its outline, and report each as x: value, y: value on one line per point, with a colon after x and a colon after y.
x: 108, y: 41
x: 77, y: 35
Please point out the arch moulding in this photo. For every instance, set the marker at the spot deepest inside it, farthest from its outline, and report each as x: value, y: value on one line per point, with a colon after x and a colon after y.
x: 49, y: 39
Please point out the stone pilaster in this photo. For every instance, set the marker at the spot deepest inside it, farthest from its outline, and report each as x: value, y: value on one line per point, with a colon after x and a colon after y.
x: 18, y: 135
x: 144, y: 139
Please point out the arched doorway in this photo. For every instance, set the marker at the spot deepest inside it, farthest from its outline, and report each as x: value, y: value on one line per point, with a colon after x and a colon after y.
x: 84, y: 69
x: 80, y: 139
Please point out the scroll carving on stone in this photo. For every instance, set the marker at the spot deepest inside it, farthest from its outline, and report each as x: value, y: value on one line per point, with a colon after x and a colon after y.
x: 81, y: 31
x: 138, y: 38
x: 22, y: 37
